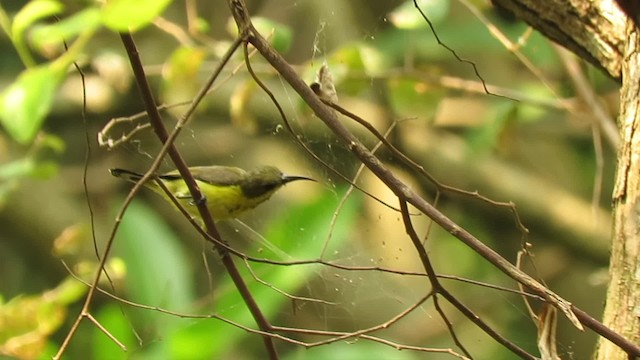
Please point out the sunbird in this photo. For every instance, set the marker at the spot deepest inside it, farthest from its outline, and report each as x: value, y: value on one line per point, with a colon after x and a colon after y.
x: 229, y: 191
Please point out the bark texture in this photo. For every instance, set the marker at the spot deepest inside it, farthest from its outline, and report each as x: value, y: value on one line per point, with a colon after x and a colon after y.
x: 593, y: 30
x: 600, y: 33
x: 622, y: 312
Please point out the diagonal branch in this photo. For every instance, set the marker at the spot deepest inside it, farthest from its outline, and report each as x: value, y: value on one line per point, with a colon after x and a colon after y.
x: 400, y: 189
x: 439, y: 289
x: 156, y: 122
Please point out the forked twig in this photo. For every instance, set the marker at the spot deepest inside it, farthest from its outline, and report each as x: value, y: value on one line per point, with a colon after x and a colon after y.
x: 439, y: 289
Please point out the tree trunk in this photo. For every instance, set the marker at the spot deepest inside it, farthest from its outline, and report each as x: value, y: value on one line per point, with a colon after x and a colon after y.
x: 601, y: 34
x: 622, y: 312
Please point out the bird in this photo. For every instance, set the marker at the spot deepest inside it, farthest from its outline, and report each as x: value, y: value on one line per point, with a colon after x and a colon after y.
x: 229, y: 191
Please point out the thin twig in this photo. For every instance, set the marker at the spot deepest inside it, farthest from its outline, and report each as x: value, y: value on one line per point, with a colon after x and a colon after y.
x: 274, y: 327
x: 298, y: 138
x: 397, y: 186
x: 181, y: 165
x: 421, y: 170
x: 282, y: 292
x: 454, y: 53
x: 424, y: 258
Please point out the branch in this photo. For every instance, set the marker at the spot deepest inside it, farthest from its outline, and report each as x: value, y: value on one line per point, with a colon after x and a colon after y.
x: 400, y: 189
x: 158, y: 126
x: 593, y: 30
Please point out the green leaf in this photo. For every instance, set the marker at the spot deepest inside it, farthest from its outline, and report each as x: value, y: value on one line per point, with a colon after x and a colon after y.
x: 25, y: 103
x: 51, y: 142
x: 28, y: 167
x: 45, y: 170
x: 131, y: 15
x: 375, y: 60
x: 32, y: 165
x: 279, y: 35
x: 16, y: 169
x: 32, y: 12
x: 158, y: 271
x: 28, y: 15
x: 112, y: 319
x: 201, y: 25
x: 66, y: 29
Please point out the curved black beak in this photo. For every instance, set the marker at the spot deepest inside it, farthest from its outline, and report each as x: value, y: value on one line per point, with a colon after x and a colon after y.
x: 290, y: 178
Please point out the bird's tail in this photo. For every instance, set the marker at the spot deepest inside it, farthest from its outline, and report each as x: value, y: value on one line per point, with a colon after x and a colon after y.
x: 128, y: 175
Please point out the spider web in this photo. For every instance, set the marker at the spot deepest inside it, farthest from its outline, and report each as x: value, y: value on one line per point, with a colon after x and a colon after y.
x: 373, y: 233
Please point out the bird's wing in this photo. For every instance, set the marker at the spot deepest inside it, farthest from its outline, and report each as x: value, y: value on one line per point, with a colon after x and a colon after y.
x: 215, y: 175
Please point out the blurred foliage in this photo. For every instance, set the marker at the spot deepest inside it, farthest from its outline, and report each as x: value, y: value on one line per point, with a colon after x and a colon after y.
x: 528, y: 147
x: 27, y: 322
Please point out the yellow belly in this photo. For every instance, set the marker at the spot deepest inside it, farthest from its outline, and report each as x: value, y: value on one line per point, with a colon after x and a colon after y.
x: 223, y: 202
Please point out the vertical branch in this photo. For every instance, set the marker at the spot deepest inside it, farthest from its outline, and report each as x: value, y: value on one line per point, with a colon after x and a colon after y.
x: 623, y: 295
x: 156, y: 122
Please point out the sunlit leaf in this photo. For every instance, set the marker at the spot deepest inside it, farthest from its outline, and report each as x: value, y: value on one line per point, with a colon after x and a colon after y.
x: 25, y: 103
x: 66, y: 29
x: 16, y: 169
x: 28, y: 321
x: 28, y: 167
x: 183, y: 64
x: 132, y: 15
x: 376, y: 62
x: 28, y: 15
x: 201, y: 25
